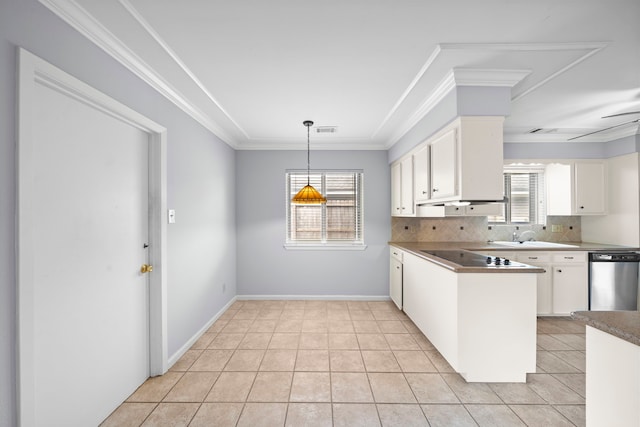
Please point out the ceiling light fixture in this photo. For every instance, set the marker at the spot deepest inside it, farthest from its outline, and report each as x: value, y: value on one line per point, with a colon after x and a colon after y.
x: 308, y: 195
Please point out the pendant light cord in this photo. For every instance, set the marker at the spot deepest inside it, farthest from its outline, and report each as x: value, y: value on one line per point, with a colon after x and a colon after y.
x: 308, y: 162
x: 308, y: 124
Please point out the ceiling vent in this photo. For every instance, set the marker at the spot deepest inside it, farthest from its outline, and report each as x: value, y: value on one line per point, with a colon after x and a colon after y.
x: 543, y: 131
x: 326, y: 129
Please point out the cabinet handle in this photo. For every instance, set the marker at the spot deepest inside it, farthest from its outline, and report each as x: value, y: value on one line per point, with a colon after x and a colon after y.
x: 568, y: 257
x: 395, y: 253
x: 532, y: 257
x: 434, y: 190
x: 397, y: 209
x: 424, y: 192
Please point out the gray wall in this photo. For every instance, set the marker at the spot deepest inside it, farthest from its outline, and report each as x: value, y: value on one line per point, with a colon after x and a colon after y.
x: 266, y: 268
x: 201, y: 174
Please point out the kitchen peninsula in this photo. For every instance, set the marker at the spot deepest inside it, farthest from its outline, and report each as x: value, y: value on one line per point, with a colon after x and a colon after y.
x: 613, y: 367
x: 481, y: 317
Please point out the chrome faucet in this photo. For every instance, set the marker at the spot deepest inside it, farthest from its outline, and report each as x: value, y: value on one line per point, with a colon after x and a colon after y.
x: 525, y: 236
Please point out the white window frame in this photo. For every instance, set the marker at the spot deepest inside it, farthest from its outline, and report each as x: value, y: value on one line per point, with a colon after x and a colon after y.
x: 324, y: 243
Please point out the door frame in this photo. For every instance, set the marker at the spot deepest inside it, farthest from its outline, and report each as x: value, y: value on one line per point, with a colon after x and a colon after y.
x: 34, y: 71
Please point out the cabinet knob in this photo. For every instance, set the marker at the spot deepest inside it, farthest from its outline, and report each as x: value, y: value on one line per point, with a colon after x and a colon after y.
x: 397, y: 267
x: 559, y: 271
x: 424, y: 192
x: 434, y: 190
x: 581, y: 207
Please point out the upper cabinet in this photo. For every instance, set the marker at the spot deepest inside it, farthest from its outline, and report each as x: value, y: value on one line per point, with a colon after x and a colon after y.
x: 461, y: 162
x: 402, y: 203
x: 444, y: 164
x: 578, y: 188
x: 422, y: 174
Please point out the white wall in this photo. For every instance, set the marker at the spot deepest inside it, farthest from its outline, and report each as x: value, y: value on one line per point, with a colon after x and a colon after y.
x: 201, y: 175
x: 622, y: 225
x: 266, y: 268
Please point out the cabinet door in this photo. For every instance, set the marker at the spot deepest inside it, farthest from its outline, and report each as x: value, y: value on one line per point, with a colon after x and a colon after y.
x: 545, y: 280
x: 395, y: 282
x: 444, y: 166
x: 406, y: 180
x: 396, y: 190
x: 421, y: 178
x: 590, y: 197
x: 570, y: 288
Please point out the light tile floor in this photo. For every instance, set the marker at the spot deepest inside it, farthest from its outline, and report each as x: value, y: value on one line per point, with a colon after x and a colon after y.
x: 348, y: 363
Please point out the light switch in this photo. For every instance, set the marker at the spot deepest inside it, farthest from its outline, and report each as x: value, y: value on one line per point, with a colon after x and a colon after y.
x: 172, y: 216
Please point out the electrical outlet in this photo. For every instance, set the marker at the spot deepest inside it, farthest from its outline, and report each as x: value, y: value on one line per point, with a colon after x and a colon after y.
x: 557, y: 228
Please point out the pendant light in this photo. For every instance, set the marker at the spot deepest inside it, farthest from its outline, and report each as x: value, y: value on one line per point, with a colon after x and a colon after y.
x: 308, y: 195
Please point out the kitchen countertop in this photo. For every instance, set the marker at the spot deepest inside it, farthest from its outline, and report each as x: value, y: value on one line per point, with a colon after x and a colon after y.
x: 416, y: 248
x: 622, y: 324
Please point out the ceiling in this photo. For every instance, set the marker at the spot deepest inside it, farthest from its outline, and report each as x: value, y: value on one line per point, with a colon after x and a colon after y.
x: 252, y: 70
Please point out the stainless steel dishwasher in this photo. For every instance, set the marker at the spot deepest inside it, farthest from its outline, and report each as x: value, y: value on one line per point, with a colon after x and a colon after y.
x: 613, y: 280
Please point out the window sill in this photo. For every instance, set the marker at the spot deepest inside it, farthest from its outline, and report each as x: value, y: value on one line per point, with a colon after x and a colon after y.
x: 325, y: 246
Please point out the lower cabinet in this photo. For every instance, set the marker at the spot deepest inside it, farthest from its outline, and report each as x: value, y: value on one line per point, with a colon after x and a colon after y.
x: 570, y: 282
x: 395, y: 277
x: 563, y: 287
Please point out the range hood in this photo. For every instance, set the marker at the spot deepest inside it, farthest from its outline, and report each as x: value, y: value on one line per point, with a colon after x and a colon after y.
x: 460, y: 208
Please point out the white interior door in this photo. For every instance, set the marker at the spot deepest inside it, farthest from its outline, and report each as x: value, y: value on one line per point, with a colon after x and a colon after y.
x: 84, y: 234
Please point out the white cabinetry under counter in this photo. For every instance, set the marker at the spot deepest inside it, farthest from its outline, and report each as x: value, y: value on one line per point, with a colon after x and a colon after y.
x: 483, y: 323
x: 396, y: 276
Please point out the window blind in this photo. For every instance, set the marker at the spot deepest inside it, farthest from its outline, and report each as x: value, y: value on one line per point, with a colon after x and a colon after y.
x: 337, y: 221
x: 525, y: 199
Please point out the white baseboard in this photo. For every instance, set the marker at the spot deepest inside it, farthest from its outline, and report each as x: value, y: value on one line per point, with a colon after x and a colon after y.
x: 315, y: 297
x: 178, y: 354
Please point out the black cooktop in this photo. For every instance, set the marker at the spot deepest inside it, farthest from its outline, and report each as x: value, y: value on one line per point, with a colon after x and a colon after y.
x: 471, y: 259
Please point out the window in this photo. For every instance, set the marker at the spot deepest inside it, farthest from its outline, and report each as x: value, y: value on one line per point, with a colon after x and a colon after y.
x: 524, y: 198
x: 338, y: 222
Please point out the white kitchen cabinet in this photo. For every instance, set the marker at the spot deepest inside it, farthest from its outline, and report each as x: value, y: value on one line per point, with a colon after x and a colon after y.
x: 444, y: 165
x: 563, y: 287
x: 402, y: 203
x: 570, y: 282
x: 461, y: 162
x: 467, y: 161
x: 577, y: 188
x: 483, y: 324
x: 422, y: 174
x: 545, y: 285
x: 395, y: 276
x: 590, y: 188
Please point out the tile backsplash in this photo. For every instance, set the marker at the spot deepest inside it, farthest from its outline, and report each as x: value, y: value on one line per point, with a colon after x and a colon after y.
x: 477, y: 229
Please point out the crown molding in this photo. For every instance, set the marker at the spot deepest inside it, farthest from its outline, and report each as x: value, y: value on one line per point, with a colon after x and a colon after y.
x: 488, y: 77
x: 459, y: 77
x: 82, y: 21
x: 174, y: 56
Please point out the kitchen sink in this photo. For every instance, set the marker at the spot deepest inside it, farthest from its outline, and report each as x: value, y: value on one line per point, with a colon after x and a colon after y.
x: 533, y: 244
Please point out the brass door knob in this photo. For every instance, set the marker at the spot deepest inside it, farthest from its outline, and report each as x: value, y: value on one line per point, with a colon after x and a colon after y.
x: 146, y: 268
